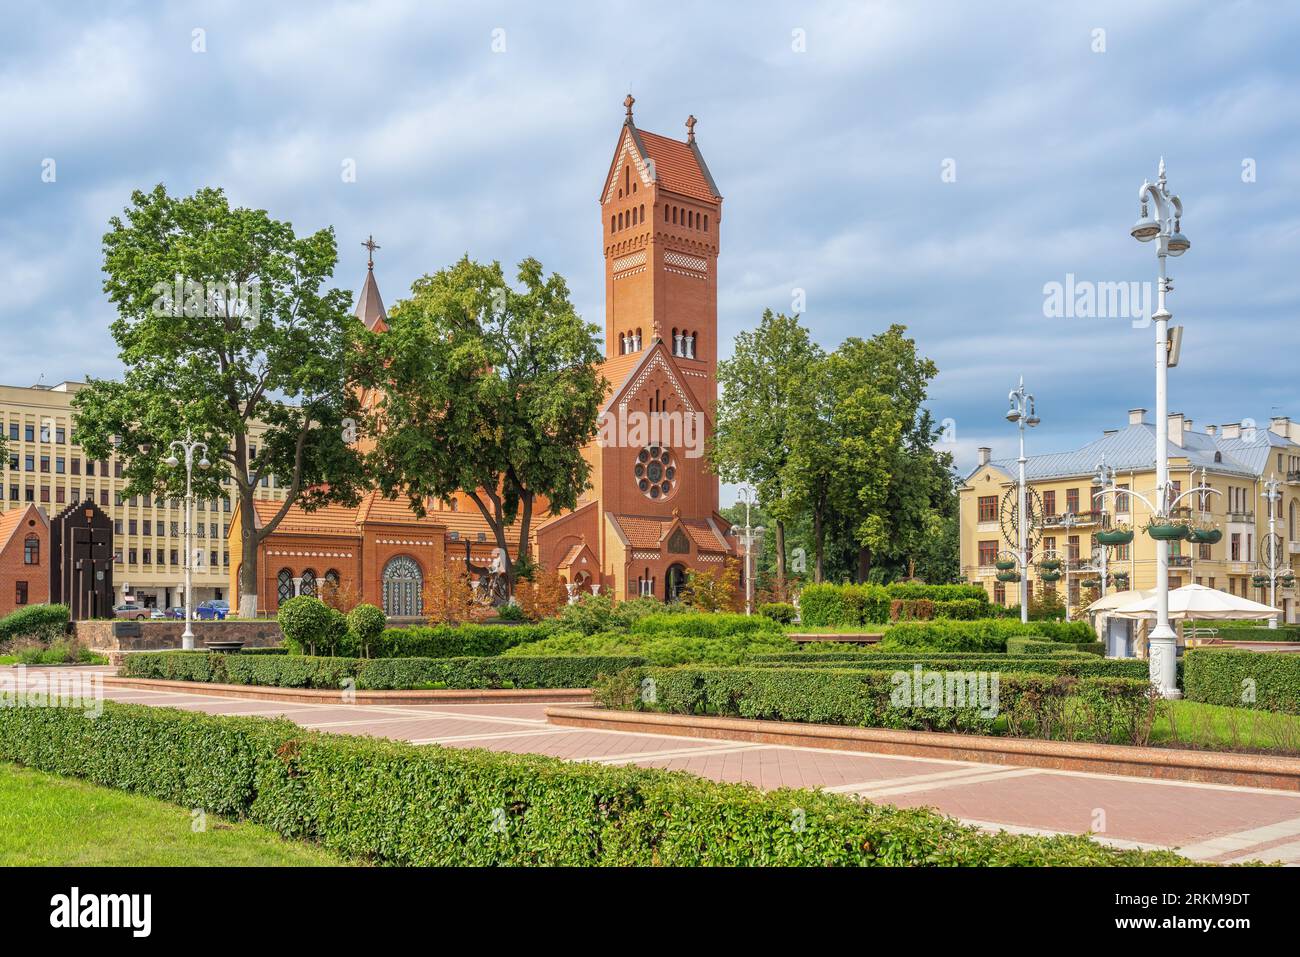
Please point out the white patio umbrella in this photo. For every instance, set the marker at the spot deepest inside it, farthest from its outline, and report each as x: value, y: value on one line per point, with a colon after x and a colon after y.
x: 1116, y: 599
x: 1197, y: 601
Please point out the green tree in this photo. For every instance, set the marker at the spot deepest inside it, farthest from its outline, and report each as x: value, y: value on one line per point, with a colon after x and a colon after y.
x: 222, y: 323
x: 764, y: 392
x: 487, y: 390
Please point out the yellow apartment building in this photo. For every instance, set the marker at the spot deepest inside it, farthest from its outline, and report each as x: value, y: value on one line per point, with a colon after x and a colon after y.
x: 43, y: 466
x: 1236, y: 460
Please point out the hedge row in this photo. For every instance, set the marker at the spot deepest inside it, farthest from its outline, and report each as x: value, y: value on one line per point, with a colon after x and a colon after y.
x: 822, y: 606
x: 389, y: 802
x: 1099, y: 709
x: 987, y: 634
x: 1024, y: 646
x: 454, y: 641
x: 812, y: 654
x: 304, y: 671
x: 1268, y: 681
x: 1078, y: 666
x: 1254, y: 633
x: 44, y: 623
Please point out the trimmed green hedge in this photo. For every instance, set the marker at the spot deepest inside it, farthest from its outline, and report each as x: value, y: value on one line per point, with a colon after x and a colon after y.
x: 812, y: 654
x: 1106, y: 709
x: 303, y: 671
x: 454, y: 641
x: 1230, y: 632
x: 1071, y: 664
x: 1268, y: 681
x: 1022, y: 646
x: 987, y: 634
x: 45, y: 623
x: 390, y: 802
x: 830, y: 606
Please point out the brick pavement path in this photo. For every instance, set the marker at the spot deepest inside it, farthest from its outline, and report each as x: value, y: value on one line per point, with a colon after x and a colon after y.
x: 1209, y: 822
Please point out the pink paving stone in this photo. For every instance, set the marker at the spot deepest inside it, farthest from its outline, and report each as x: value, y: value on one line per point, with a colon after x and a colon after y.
x: 1135, y: 809
x: 592, y: 744
x: 524, y: 712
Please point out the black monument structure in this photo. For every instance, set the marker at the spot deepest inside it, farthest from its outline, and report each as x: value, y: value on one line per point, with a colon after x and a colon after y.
x: 81, y: 561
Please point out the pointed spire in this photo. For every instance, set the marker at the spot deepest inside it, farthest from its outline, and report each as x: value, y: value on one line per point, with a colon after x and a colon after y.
x: 370, y: 305
x: 690, y: 128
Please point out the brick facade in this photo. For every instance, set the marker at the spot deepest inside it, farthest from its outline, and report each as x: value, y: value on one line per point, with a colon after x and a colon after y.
x: 24, y: 571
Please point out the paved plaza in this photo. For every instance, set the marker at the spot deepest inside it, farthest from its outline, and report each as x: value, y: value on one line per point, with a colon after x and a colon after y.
x: 1208, y: 822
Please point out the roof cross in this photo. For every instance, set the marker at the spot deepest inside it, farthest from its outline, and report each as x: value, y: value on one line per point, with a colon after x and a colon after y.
x: 690, y: 128
x: 371, y: 245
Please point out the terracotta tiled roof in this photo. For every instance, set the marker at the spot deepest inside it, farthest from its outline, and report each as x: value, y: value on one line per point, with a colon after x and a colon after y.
x: 678, y: 167
x: 573, y: 554
x: 330, y: 520
x: 617, y: 369
x: 644, y: 532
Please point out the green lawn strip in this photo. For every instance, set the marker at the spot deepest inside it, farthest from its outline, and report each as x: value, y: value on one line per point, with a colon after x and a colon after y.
x: 1195, y: 725
x: 46, y: 820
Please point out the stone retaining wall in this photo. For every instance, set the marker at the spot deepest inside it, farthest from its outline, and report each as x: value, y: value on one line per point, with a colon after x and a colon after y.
x: 118, y: 638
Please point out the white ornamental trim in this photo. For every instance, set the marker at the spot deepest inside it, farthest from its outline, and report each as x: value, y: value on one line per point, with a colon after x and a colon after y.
x: 404, y: 541
x: 628, y: 155
x: 644, y: 556
x: 686, y: 262
x: 709, y: 558
x: 657, y: 362
x: 627, y: 262
x: 305, y: 554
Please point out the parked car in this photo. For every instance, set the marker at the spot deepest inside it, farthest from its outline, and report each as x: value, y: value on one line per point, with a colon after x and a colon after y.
x: 156, y: 613
x: 177, y: 611
x: 211, y: 611
x: 131, y: 612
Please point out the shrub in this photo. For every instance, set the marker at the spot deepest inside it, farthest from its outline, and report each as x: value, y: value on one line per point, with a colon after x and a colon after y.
x: 834, y: 606
x: 1070, y: 664
x: 1060, y: 707
x: 451, y: 641
x: 986, y: 634
x: 699, y: 641
x: 305, y: 671
x: 1236, y: 678
x: 783, y: 613
x: 713, y: 589
x: 63, y: 651
x: 305, y: 622
x: 389, y: 802
x: 367, y: 622
x: 961, y: 609
x: 43, y: 623
x: 1020, y: 646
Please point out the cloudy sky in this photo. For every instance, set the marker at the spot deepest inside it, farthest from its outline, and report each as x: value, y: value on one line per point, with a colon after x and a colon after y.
x: 930, y: 163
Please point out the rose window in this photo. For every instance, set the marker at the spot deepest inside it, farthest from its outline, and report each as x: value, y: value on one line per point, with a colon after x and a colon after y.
x: 655, y: 472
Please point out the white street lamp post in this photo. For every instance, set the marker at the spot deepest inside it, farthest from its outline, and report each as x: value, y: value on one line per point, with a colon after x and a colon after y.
x: 1272, y: 493
x: 187, y: 448
x: 1022, y: 414
x: 751, y: 537
x: 1164, y: 226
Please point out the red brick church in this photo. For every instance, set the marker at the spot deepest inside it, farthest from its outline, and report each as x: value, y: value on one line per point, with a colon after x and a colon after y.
x: 651, y: 511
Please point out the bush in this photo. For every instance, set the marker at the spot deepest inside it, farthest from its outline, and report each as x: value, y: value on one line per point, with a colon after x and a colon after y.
x: 783, y: 613
x: 367, y: 623
x: 1235, y: 678
x: 665, y: 646
x: 304, y: 671
x: 43, y: 623
x: 1020, y: 646
x: 452, y: 641
x: 986, y: 634
x: 837, y: 606
x: 64, y: 651
x: 1117, y: 710
x: 1070, y: 664
x: 697, y: 625
x: 961, y: 609
x: 389, y: 802
x: 305, y: 622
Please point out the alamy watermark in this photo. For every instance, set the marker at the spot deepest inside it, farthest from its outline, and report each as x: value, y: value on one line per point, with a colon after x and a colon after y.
x: 637, y: 430
x: 1086, y: 299
x: 920, y: 688
x: 212, y: 300
x: 42, y: 688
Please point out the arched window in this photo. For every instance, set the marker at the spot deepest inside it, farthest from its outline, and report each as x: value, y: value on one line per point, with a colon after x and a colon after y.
x: 284, y: 585
x: 627, y: 179
x: 31, y: 550
x: 667, y: 215
x: 690, y: 219
x: 674, y: 215
x: 611, y: 224
x: 706, y: 222
x: 641, y: 216
x: 308, y: 586
x: 1291, y: 522
x: 403, y: 588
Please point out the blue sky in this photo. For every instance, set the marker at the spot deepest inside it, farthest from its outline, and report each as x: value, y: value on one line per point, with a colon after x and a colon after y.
x: 831, y: 159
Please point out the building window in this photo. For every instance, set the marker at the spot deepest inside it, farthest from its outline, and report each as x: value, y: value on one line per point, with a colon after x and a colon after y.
x: 308, y: 585
x: 1204, y: 552
x: 988, y: 506
x: 1049, y: 502
x: 403, y: 587
x: 20, y: 593
x: 999, y: 593
x: 1072, y: 500
x: 988, y: 552
x: 32, y: 550
x: 284, y: 585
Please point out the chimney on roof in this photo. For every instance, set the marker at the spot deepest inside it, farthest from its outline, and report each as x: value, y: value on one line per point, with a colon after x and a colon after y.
x: 1281, y: 424
x: 1211, y: 430
x: 1176, y: 428
x: 985, y: 452
x: 1137, y: 416
x: 1232, y: 430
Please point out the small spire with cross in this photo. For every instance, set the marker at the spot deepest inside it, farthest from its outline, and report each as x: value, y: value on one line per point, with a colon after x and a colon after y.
x: 690, y: 128
x: 371, y: 246
x: 628, y: 101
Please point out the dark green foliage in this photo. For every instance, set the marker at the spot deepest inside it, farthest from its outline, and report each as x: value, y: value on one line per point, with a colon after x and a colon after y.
x: 986, y: 634
x: 451, y: 641
x: 780, y: 612
x: 1070, y: 663
x: 303, y: 671
x: 1020, y: 646
x: 1060, y: 707
x: 835, y: 606
x: 1243, y: 679
x: 367, y: 622
x: 390, y: 802
x: 305, y: 622
x: 44, y: 623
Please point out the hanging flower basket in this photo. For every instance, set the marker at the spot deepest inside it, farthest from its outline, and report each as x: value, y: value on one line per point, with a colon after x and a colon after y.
x: 1115, y: 536
x: 1050, y: 564
x: 1048, y: 575
x: 1259, y: 581
x: 1090, y: 583
x: 1004, y: 564
x: 1121, y: 582
x: 1005, y: 576
x: 1206, y: 536
x: 1168, y: 531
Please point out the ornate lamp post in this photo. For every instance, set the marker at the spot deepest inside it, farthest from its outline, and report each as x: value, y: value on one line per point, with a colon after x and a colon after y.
x: 751, y: 538
x: 1273, y: 495
x: 1164, y: 227
x: 187, y: 448
x: 1022, y: 414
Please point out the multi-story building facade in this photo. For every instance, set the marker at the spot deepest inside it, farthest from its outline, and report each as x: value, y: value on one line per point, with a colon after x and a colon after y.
x: 42, y: 466
x: 1236, y: 460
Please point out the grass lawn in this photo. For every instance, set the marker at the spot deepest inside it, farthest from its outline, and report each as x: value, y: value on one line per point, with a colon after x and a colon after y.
x: 56, y: 821
x: 1192, y: 724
